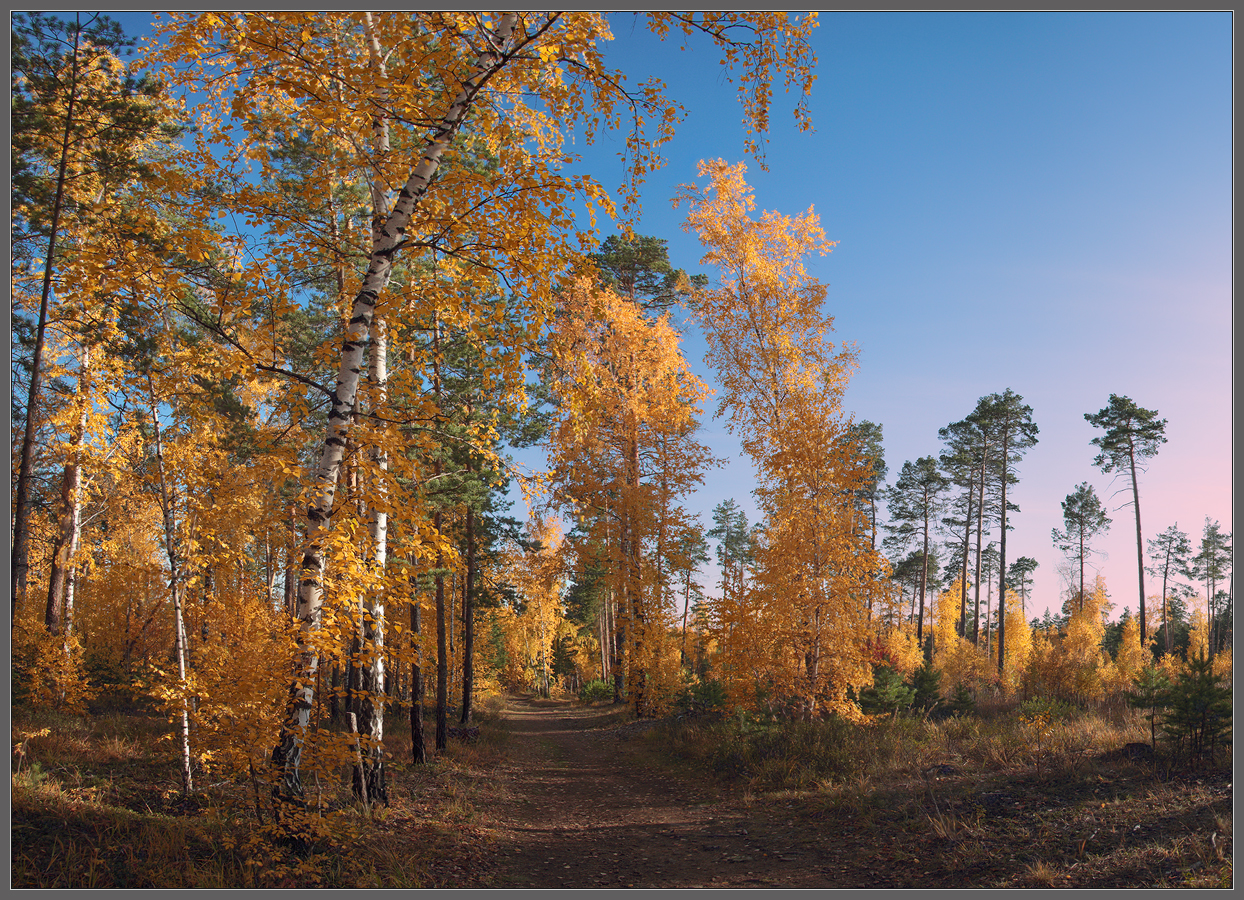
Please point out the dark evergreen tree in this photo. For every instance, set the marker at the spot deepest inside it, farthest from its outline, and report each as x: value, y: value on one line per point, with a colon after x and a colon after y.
x: 1212, y: 565
x: 914, y: 502
x: 1150, y: 691
x: 1171, y: 552
x: 1132, y: 436
x: 888, y: 693
x: 638, y: 268
x: 1083, y: 519
x: 1019, y: 576
x: 1198, y: 714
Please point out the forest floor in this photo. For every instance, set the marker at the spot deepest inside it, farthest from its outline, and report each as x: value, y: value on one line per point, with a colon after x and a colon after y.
x: 581, y: 800
x: 556, y: 794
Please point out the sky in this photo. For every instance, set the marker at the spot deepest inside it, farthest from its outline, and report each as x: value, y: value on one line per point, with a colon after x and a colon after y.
x: 1034, y: 201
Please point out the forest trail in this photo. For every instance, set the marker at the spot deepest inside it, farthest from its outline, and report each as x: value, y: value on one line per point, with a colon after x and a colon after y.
x: 581, y: 803
x: 578, y: 806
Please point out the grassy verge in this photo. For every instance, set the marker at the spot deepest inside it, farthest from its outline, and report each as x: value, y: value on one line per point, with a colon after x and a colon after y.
x: 999, y: 800
x: 96, y: 803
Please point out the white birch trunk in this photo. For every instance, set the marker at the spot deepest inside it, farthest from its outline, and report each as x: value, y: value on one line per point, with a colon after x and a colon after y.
x: 167, y: 507
x: 373, y: 624
x: 287, y: 755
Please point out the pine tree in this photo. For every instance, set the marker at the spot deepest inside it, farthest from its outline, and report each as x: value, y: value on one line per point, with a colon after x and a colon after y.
x: 1171, y: 552
x: 1198, y: 709
x: 1083, y: 519
x: 913, y: 502
x: 1018, y: 575
x: 971, y: 461
x: 1212, y: 564
x: 1132, y: 436
x: 1016, y: 432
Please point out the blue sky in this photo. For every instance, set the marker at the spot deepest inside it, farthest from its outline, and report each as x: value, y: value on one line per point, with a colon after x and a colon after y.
x: 1039, y: 201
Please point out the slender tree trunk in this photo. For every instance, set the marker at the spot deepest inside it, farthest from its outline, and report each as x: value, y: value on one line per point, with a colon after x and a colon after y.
x: 1002, y: 560
x: 21, y: 521
x: 442, y: 649
x: 924, y: 577
x: 1166, y: 619
x: 418, y: 750
x: 167, y: 507
x: 66, y: 539
x: 373, y: 620
x: 468, y: 622
x: 287, y: 755
x: 1081, y: 605
x: 544, y: 656
x: 686, y: 606
x: 291, y: 567
x: 1140, y: 554
x: 967, y: 552
x: 602, y: 617
x: 980, y: 529
x: 634, y: 580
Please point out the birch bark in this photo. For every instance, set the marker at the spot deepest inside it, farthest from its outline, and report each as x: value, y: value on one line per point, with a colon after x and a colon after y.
x: 390, y: 237
x: 168, y: 510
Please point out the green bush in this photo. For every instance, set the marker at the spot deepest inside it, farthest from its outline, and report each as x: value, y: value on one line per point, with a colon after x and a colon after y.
x: 1198, y: 711
x: 771, y: 755
x: 1055, y: 710
x: 703, y: 697
x: 1150, y: 691
x: 962, y: 702
x: 926, y: 683
x: 888, y: 693
x: 595, y: 690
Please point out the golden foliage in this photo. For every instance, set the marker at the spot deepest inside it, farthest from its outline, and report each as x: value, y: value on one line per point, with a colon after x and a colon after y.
x: 799, y: 635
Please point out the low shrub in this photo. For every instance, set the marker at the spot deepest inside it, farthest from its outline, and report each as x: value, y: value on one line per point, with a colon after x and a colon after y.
x: 595, y: 691
x: 701, y: 698
x: 770, y: 755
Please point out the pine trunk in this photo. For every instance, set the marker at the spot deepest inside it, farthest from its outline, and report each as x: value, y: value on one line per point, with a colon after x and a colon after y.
x: 468, y: 622
x: 1140, y: 555
x: 418, y: 750
x: 442, y: 648
x: 1002, y: 561
x: 980, y: 529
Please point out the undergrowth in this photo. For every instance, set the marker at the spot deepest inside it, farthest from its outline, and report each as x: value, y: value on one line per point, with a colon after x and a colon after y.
x: 799, y: 755
x: 96, y: 803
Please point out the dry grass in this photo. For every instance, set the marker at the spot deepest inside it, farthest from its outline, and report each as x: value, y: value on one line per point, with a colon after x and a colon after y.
x: 980, y: 801
x: 97, y: 804
x: 994, y: 801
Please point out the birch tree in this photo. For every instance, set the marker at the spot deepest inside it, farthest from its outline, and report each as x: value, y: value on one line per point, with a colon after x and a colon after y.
x: 514, y: 82
x: 783, y: 380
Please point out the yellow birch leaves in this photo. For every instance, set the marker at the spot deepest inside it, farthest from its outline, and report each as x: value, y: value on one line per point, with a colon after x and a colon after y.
x: 803, y: 628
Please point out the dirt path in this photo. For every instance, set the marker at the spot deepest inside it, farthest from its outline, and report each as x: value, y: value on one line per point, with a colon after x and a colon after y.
x: 579, y: 807
x: 579, y: 804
